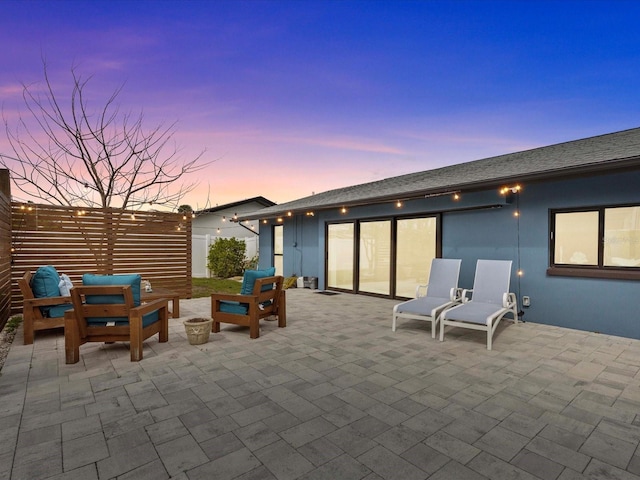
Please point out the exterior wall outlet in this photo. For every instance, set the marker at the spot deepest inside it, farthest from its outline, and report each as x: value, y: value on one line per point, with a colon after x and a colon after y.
x: 526, y: 301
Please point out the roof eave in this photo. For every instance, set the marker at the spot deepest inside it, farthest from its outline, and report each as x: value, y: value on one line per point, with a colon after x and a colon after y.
x: 618, y: 165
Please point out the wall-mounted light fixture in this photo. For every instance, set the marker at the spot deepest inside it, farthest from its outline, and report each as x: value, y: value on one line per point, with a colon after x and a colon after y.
x: 513, y: 189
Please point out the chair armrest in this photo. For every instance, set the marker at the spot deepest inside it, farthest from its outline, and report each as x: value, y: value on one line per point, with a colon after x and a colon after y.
x: 509, y: 300
x: 234, y: 297
x: 455, y: 294
x: 466, y: 295
x: 46, y: 301
x: 420, y: 287
x: 151, y: 306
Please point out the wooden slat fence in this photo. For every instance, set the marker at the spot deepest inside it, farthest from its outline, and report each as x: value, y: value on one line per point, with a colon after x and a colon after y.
x: 156, y: 245
x: 5, y: 247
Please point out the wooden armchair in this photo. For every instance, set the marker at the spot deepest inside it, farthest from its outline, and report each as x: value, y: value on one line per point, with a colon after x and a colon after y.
x: 108, y: 314
x: 266, y: 300
x: 32, y: 316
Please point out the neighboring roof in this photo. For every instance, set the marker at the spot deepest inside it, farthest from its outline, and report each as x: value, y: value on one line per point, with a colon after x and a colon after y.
x: 260, y: 200
x: 613, y: 151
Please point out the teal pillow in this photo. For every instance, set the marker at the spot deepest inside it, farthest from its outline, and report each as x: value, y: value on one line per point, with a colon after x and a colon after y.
x: 147, y: 320
x: 234, y: 307
x: 134, y: 280
x: 250, y: 277
x: 57, y: 311
x: 45, y: 281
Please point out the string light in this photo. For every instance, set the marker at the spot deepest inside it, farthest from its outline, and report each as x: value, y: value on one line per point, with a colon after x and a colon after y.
x: 398, y: 204
x: 514, y: 189
x: 456, y: 196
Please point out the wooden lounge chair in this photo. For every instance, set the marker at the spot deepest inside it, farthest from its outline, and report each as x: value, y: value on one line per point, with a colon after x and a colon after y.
x: 267, y: 299
x: 112, y: 313
x: 40, y: 313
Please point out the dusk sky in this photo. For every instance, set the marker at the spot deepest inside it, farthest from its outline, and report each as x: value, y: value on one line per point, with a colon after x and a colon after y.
x: 292, y: 98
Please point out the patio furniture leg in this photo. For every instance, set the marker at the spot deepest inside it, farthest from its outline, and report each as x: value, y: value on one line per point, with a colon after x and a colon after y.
x: 164, y: 326
x: 136, y: 339
x: 282, y: 311
x: 28, y: 329
x: 254, y: 328
x: 71, y: 341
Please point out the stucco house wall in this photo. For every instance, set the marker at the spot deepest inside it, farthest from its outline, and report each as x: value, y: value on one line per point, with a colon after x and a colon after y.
x: 482, y: 225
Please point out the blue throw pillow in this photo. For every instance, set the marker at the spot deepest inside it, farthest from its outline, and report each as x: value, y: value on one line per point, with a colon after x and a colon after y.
x: 45, y: 281
x: 250, y: 277
x: 100, y: 280
x: 134, y: 280
x: 234, y: 307
x: 57, y: 311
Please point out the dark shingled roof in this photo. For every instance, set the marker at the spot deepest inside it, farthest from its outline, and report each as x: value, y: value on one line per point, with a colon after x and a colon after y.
x: 261, y: 200
x: 613, y: 151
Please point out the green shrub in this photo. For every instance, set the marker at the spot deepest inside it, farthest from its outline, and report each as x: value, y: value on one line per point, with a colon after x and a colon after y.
x: 226, y: 257
x: 251, y: 263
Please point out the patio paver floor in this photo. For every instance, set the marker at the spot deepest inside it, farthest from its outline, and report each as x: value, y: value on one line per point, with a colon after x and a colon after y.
x: 334, y: 395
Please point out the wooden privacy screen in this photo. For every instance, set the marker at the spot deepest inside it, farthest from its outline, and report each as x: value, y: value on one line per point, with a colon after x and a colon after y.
x: 156, y: 245
x: 5, y: 247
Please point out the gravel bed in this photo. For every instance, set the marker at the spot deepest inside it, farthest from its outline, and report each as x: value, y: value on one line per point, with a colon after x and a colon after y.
x: 5, y: 344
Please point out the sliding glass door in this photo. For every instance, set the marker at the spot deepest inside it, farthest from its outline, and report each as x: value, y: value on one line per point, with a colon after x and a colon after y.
x: 374, y: 260
x: 278, y: 249
x: 387, y: 257
x: 415, y: 248
x: 340, y: 255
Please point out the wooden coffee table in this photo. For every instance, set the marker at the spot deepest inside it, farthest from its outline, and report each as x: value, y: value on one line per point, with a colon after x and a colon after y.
x: 160, y: 292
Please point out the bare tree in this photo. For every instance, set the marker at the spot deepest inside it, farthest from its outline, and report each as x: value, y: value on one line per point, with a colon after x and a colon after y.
x: 69, y: 154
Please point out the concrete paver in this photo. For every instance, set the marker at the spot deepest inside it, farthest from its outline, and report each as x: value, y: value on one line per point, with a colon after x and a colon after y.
x: 334, y: 395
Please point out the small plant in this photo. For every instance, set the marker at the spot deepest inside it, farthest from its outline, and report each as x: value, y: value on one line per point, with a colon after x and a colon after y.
x: 12, y: 324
